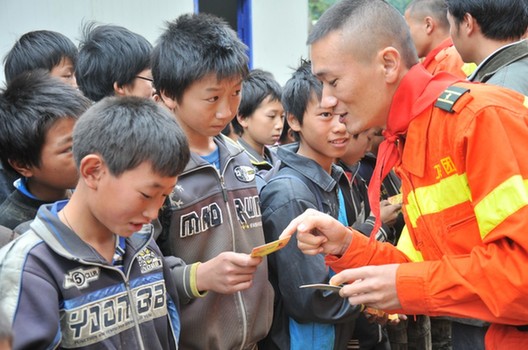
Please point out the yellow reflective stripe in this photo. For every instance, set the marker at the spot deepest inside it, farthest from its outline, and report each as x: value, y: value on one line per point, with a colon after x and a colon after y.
x: 525, y: 102
x: 450, y: 191
x: 503, y: 201
x: 406, y: 246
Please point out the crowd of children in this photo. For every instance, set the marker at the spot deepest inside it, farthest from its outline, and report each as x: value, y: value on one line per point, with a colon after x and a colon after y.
x: 136, y: 179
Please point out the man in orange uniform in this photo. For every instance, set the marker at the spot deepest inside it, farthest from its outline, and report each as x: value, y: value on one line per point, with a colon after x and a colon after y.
x: 460, y: 151
x: 429, y: 27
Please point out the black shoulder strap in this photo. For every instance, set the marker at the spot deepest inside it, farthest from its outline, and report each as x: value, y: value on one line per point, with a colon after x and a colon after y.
x: 449, y: 97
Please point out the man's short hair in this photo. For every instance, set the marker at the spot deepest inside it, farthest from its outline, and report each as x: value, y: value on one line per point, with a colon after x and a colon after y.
x: 127, y: 131
x: 498, y: 19
x: 109, y: 54
x: 437, y: 9
x: 193, y: 46
x: 256, y: 87
x: 42, y: 49
x: 371, y: 25
x: 29, y: 106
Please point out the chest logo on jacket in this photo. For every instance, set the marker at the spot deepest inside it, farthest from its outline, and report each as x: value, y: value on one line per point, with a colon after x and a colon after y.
x: 148, y: 261
x: 81, y: 277
x: 244, y: 173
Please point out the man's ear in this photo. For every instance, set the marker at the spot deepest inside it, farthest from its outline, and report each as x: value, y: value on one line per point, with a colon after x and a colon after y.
x: 91, y: 170
x: 390, y: 59
x: 429, y: 25
x: 469, y: 24
x: 293, y: 122
x: 21, y: 168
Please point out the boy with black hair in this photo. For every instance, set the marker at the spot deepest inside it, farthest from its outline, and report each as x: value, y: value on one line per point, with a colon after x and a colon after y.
x: 87, y: 273
x: 212, y: 219
x: 40, y: 49
x: 307, y: 178
x: 113, y: 61
x: 37, y: 118
x: 260, y: 117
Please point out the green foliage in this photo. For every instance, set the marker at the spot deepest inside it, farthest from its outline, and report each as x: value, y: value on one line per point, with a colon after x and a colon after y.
x: 317, y: 7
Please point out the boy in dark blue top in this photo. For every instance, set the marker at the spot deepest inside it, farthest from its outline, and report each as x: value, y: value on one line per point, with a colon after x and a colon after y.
x: 307, y: 178
x: 37, y: 118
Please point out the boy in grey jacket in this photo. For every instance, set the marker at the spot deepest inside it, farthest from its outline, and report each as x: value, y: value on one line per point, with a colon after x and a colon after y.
x: 212, y: 219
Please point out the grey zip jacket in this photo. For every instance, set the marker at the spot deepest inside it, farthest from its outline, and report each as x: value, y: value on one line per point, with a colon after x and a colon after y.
x: 59, y: 293
x: 211, y: 211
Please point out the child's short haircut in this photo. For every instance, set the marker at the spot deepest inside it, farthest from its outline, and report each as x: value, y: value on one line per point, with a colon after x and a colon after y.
x: 109, y: 54
x: 30, y: 105
x: 299, y: 91
x: 127, y: 131
x: 182, y: 56
x: 42, y: 49
x: 257, y: 86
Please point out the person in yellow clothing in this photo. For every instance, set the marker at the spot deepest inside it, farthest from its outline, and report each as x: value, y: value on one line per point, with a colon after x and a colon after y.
x: 459, y: 149
x: 429, y: 27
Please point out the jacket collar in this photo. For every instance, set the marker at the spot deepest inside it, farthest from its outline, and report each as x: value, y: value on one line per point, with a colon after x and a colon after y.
x: 499, y: 59
x: 227, y: 149
x: 309, y: 168
x: 61, y: 239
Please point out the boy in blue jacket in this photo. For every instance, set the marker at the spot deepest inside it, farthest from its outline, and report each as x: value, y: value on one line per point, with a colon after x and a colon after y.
x: 307, y: 178
x: 87, y: 273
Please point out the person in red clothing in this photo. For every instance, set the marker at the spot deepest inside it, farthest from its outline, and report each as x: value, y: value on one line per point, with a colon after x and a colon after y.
x: 459, y: 149
x: 429, y: 27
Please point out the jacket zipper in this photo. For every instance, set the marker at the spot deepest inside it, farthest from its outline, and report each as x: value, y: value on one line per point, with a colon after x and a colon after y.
x: 230, y: 216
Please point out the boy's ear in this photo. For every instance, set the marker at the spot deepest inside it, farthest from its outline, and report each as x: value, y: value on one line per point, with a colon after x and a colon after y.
x: 293, y: 122
x: 168, y: 101
x: 91, y: 170
x: 119, y: 90
x: 242, y: 121
x: 21, y: 168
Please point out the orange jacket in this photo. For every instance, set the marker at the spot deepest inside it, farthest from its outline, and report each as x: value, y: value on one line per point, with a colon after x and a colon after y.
x: 445, y: 58
x: 465, y: 190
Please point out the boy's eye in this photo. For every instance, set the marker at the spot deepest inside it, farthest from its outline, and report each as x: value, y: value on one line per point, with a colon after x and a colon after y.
x: 237, y: 93
x: 145, y: 195
x: 332, y: 83
x: 212, y: 99
x: 326, y: 114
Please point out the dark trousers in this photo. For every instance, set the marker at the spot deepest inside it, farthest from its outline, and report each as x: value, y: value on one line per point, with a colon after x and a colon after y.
x: 467, y: 337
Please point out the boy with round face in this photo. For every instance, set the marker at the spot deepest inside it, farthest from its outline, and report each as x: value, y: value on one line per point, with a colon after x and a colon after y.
x: 40, y: 49
x: 260, y: 117
x: 89, y: 266
x: 37, y: 120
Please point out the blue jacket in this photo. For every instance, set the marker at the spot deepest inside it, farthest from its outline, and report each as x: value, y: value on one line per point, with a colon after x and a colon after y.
x: 282, y: 199
x: 59, y: 293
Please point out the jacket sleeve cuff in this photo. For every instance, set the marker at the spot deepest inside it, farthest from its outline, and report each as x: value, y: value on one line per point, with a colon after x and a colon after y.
x: 411, y: 287
x: 192, y: 281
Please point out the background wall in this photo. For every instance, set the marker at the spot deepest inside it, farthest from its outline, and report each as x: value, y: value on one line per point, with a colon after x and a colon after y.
x: 279, y: 27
